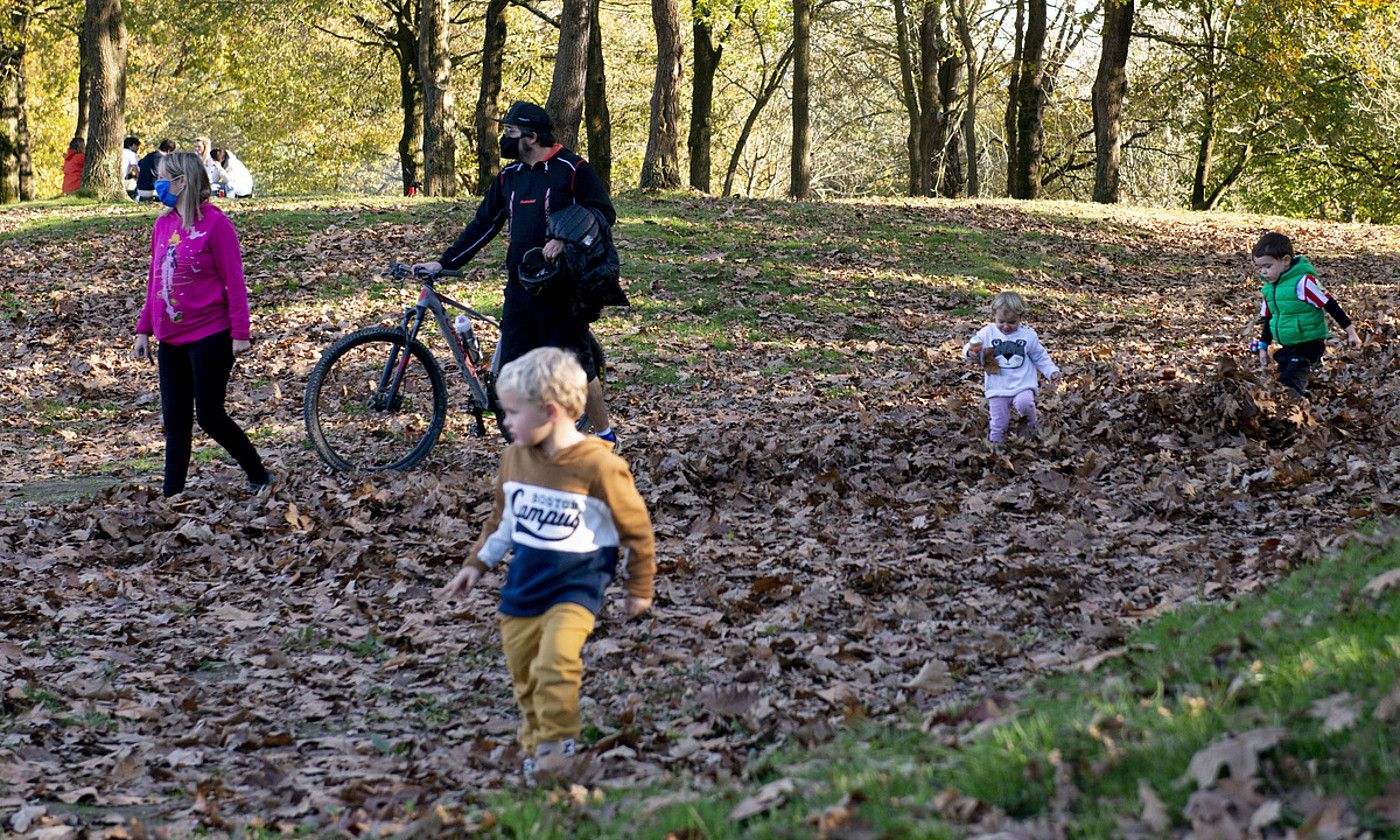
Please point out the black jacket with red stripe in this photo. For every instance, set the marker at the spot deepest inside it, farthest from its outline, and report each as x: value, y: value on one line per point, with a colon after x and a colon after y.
x: 525, y: 196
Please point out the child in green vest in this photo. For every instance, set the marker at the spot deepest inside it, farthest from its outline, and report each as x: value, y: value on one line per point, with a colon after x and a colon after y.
x: 1292, y: 310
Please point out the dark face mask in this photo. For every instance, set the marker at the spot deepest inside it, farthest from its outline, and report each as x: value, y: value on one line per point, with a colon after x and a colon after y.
x: 510, y: 147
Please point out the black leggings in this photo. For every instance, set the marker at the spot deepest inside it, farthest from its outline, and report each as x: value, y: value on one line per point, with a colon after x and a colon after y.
x: 193, y: 382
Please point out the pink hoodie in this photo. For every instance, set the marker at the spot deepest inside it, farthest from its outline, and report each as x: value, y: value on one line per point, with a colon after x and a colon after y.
x: 195, y: 287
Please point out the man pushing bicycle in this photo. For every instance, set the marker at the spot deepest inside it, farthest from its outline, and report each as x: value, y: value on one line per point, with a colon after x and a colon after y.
x: 545, y: 178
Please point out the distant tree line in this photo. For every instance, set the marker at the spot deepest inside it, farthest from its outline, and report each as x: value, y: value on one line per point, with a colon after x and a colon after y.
x: 1290, y: 107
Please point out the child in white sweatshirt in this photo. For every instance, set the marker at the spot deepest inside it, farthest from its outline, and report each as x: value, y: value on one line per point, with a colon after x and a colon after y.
x: 1013, y: 361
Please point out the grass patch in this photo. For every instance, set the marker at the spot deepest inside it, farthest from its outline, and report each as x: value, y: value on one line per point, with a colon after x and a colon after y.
x: 152, y: 463
x: 290, y: 218
x: 207, y: 454
x: 71, y: 217
x: 370, y: 647
x: 1185, y: 681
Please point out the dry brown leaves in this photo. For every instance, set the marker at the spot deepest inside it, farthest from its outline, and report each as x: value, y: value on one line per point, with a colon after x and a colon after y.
x: 834, y: 545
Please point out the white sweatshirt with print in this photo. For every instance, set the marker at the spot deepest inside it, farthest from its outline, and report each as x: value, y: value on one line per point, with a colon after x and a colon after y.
x: 1019, y: 355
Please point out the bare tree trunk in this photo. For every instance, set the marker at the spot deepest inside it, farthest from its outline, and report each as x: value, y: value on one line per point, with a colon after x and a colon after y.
x: 22, y: 14
x: 800, y: 185
x: 1013, y: 98
x: 949, y: 82
x: 912, y: 95
x: 933, y: 132
x: 765, y: 92
x: 661, y: 169
x: 1205, y: 157
x: 565, y: 105
x: 488, y: 107
x: 597, y: 122
x: 405, y: 49
x: 1030, y: 106
x: 439, y: 125
x: 105, y: 32
x: 963, y: 20
x: 12, y: 49
x: 1213, y: 198
x: 26, y: 161
x: 84, y: 81
x: 1110, y: 86
x: 708, y: 53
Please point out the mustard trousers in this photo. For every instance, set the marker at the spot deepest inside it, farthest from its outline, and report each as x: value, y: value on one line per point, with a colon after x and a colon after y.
x: 546, y: 669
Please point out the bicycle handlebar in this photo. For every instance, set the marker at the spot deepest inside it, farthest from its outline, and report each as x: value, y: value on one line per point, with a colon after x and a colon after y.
x: 400, y: 270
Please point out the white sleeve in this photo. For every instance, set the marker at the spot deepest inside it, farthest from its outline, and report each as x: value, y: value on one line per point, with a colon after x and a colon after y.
x: 497, y: 544
x: 981, y: 336
x: 1041, y: 359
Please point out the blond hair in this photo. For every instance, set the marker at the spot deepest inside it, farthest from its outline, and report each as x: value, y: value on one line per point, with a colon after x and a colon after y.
x: 196, y: 190
x: 1011, y: 303
x: 545, y: 375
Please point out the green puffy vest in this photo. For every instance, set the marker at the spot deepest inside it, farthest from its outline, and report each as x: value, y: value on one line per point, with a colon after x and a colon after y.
x: 1293, y: 321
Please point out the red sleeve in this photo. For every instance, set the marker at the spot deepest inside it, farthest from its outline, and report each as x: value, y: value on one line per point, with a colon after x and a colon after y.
x: 1311, y: 291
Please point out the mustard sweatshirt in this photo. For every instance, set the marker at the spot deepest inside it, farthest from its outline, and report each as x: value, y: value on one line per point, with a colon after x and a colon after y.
x: 568, y: 518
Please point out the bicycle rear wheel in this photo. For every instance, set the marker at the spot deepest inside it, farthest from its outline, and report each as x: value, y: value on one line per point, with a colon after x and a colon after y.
x: 375, y: 402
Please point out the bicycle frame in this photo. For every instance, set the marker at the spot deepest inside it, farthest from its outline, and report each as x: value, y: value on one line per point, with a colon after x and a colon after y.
x: 469, y: 360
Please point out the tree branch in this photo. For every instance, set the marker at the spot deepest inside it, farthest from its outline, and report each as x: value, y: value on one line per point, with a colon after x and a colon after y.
x: 536, y: 12
x: 380, y: 45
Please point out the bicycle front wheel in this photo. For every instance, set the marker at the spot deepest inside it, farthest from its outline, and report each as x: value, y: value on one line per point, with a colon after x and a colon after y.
x: 375, y: 401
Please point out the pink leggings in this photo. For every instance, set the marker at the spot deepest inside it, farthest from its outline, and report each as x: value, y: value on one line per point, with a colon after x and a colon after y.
x: 1000, y: 410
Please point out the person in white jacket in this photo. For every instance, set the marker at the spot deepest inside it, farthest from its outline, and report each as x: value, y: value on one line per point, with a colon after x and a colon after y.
x: 1012, y: 360
x: 240, y: 180
x: 218, y: 179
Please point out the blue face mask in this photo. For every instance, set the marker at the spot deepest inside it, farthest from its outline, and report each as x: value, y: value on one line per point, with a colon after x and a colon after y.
x: 163, y: 192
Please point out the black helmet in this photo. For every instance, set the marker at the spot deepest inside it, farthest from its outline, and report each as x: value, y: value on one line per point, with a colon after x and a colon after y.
x: 537, y: 274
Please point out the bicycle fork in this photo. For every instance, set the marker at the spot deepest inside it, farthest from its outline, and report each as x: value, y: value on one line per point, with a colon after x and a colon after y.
x: 386, y: 398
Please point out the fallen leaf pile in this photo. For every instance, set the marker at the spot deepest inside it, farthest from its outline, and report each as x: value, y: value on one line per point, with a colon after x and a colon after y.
x: 836, y: 540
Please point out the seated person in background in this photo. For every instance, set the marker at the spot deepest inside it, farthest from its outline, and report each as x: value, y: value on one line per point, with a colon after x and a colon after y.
x: 129, y: 167
x: 73, y: 166
x: 218, y: 179
x: 240, y: 180
x: 146, y: 170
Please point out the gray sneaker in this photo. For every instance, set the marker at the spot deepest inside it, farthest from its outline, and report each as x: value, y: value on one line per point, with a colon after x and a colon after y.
x: 557, y: 762
x: 566, y: 748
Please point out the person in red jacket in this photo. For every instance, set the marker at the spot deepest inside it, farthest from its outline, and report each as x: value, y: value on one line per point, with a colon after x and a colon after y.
x: 197, y: 308
x: 73, y: 166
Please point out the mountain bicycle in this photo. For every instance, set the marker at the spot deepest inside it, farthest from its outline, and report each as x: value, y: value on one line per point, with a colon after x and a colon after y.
x: 377, y: 399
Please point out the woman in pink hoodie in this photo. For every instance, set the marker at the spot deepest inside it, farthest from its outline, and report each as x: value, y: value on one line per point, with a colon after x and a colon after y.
x: 197, y: 308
